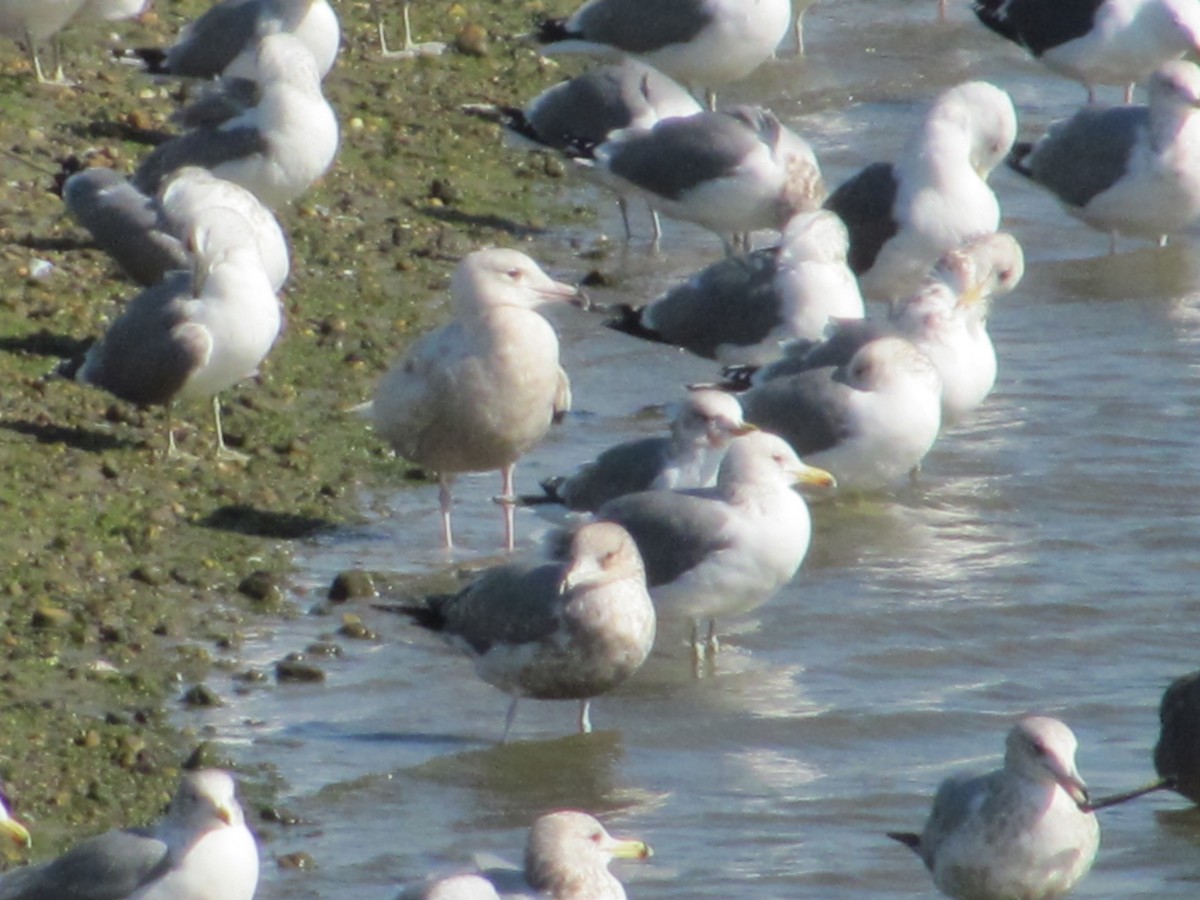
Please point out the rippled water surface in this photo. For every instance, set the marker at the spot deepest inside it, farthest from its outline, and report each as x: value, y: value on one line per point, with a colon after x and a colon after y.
x: 1046, y: 560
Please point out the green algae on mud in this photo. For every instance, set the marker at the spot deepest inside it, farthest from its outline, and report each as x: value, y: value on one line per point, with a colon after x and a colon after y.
x: 121, y: 568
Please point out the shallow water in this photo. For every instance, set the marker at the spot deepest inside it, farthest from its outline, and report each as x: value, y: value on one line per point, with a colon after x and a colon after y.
x: 1044, y: 561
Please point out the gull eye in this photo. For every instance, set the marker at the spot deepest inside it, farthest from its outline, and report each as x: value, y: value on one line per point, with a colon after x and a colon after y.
x: 596, y: 837
x: 516, y: 274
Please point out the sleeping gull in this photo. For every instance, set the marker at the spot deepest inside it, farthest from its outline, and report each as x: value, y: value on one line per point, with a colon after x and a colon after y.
x: 478, y: 393
x: 715, y: 551
x: 946, y: 320
x: 566, y: 858
x: 146, y: 236
x: 902, y: 217
x: 201, y: 850
x: 583, y: 111
x: 701, y: 43
x: 1097, y: 41
x: 740, y: 310
x: 195, y: 333
x: 277, y: 148
x: 1020, y: 831
x: 869, y: 421
x: 224, y: 39
x: 732, y: 171
x: 563, y: 630
x: 1129, y: 169
x: 687, y: 458
x: 17, y: 833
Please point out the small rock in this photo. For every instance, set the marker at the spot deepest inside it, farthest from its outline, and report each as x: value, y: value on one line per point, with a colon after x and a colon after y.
x: 351, y: 585
x: 149, y: 574
x: 472, y: 40
x: 299, y: 860
x: 50, y: 617
x: 295, y: 667
x: 281, y: 816
x: 263, y: 588
x: 353, y: 628
x: 201, y: 695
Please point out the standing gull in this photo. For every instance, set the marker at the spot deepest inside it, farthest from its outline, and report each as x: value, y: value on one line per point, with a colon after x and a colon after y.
x: 566, y: 858
x: 1129, y: 169
x: 741, y: 310
x: 716, y: 551
x: 201, y: 850
x: 1020, y: 831
x: 732, y: 171
x: 869, y: 421
x: 902, y: 217
x: 1097, y: 41
x: 478, y: 393
x: 568, y: 630
x: 687, y: 458
x: 702, y: 43
x: 277, y: 148
x: 195, y: 333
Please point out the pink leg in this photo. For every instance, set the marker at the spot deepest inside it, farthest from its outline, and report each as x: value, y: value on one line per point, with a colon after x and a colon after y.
x: 508, y: 501
x: 444, y: 502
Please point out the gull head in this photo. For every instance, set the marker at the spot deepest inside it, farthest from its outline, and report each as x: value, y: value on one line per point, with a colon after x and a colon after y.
x: 204, y: 801
x: 888, y: 363
x: 487, y: 279
x: 600, y: 553
x: 761, y: 458
x: 1175, y: 85
x: 1042, y: 749
x: 987, y: 114
x: 568, y: 854
x: 709, y: 418
x: 284, y: 57
x: 982, y: 267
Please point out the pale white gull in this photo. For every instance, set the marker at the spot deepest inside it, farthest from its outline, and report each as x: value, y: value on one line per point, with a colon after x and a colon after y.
x: 478, y: 393
x: 201, y: 850
x: 713, y: 552
x: 1097, y: 41
x: 686, y: 458
x: 224, y: 40
x: 732, y: 171
x: 701, y: 43
x: 195, y: 333
x: 1131, y: 170
x: 566, y: 858
x: 742, y: 309
x: 902, y: 217
x: 562, y: 630
x: 277, y: 148
x: 1020, y: 831
x: 869, y: 421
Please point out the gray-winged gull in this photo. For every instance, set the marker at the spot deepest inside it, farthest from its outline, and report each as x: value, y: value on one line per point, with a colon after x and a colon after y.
x: 732, y: 171
x: 583, y: 111
x: 562, y: 630
x: 702, y: 43
x: 476, y: 394
x: 1131, y: 170
x: 686, y: 458
x: 224, y: 40
x: 13, y: 829
x: 195, y: 333
x: 902, y: 217
x: 201, y: 850
x: 742, y: 309
x: 946, y: 319
x: 146, y: 236
x: 869, y: 421
x: 1097, y: 41
x: 566, y: 858
x: 726, y: 549
x: 277, y: 148
x: 1020, y: 831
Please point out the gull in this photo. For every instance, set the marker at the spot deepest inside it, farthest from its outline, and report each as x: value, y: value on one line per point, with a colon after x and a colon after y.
x: 566, y: 858
x: 1097, y: 41
x: 146, y: 235
x: 704, y: 43
x: 715, y: 551
x: 478, y: 393
x: 902, y: 217
x: 741, y: 310
x: 196, y: 332
x: 563, y: 630
x: 583, y: 111
x: 1020, y: 831
x: 869, y: 421
x: 32, y: 22
x: 224, y: 40
x: 277, y: 148
x: 1129, y: 169
x: 201, y: 850
x: 732, y: 171
x: 686, y: 458
x: 946, y: 320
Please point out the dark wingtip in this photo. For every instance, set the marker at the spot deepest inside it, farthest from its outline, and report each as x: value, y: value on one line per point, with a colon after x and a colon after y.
x: 551, y: 31
x: 153, y: 58
x: 549, y: 493
x: 427, y: 615
x: 738, y: 379
x: 1017, y: 156
x: 907, y: 838
x: 513, y: 118
x: 629, y: 321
